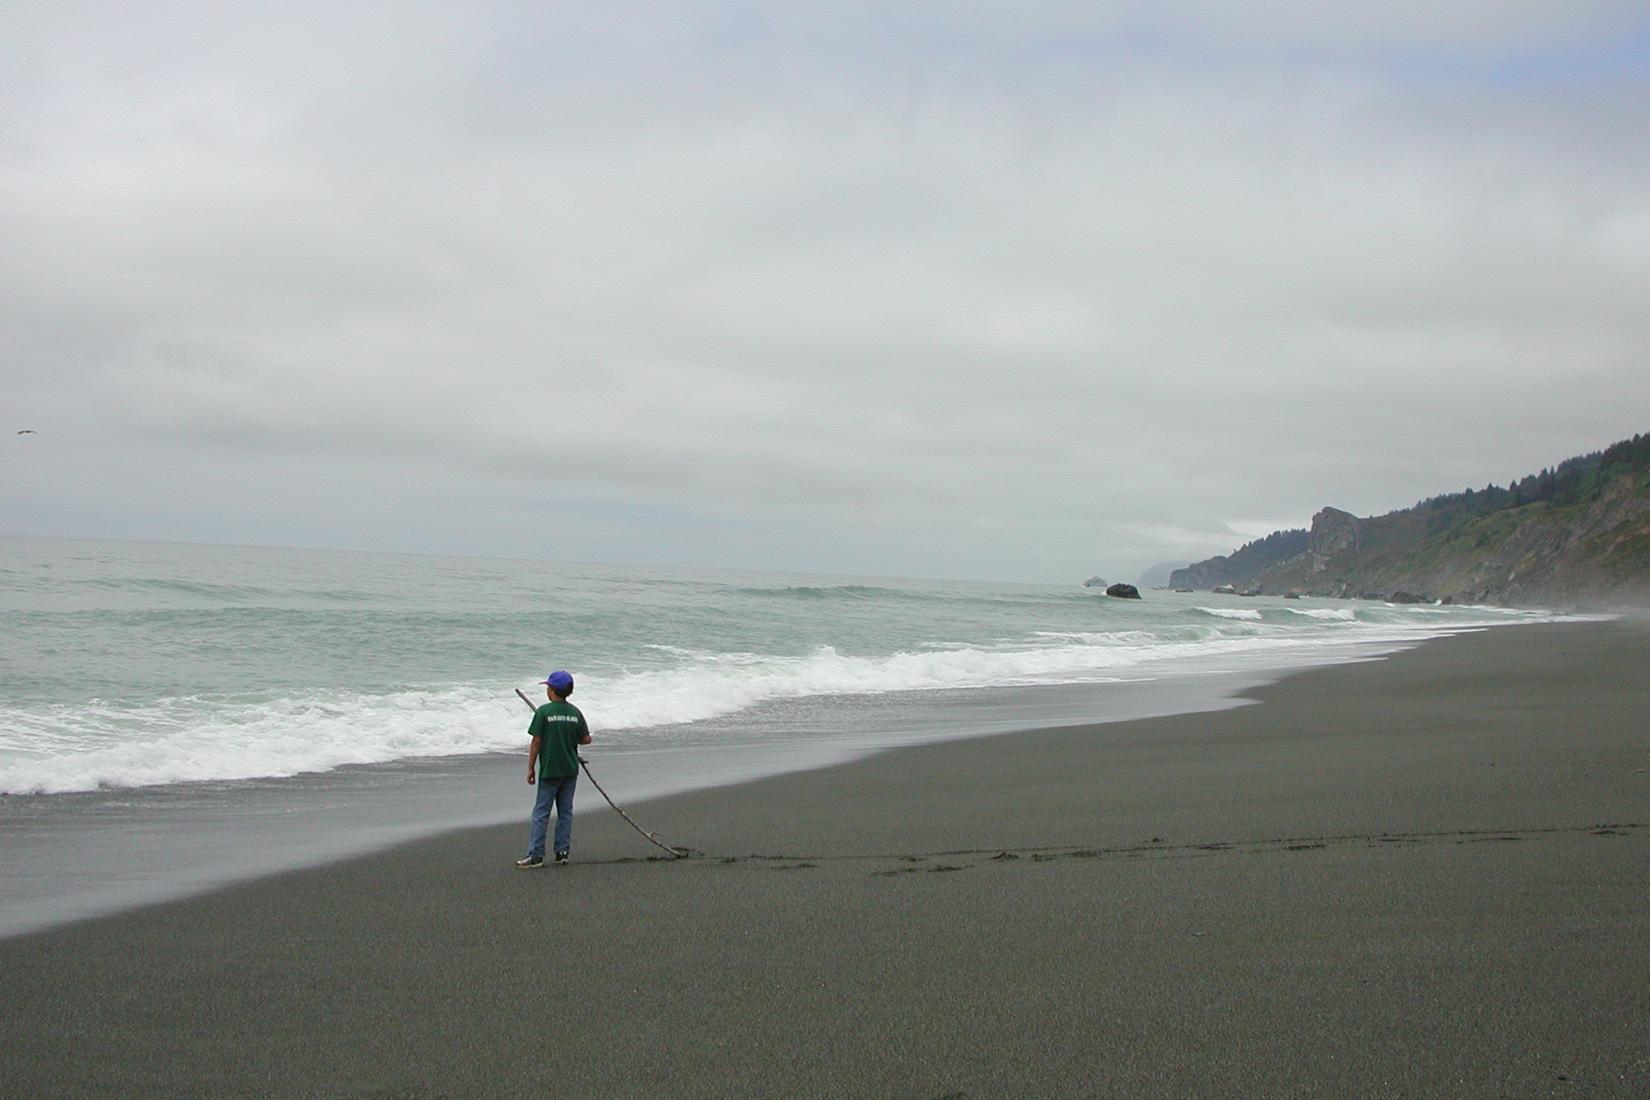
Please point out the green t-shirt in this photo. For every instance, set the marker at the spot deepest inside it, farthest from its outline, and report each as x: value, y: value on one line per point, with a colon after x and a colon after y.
x: 562, y: 727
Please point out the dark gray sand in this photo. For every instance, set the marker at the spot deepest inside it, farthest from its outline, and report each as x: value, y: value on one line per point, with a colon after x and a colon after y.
x: 1423, y: 876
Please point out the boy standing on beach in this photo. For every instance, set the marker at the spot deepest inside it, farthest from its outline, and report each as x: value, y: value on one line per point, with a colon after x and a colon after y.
x: 558, y: 729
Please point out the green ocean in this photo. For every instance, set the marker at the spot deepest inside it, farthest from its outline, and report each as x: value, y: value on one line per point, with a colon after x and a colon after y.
x: 155, y: 699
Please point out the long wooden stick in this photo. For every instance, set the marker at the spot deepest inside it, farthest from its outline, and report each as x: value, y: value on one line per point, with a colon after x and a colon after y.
x: 675, y: 853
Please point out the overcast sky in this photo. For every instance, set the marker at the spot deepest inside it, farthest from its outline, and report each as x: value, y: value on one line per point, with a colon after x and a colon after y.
x: 999, y: 290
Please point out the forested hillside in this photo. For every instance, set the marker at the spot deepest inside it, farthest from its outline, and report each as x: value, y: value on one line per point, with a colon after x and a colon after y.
x: 1577, y: 533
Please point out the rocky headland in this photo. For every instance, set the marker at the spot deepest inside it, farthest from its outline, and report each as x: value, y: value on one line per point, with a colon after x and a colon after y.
x: 1575, y: 535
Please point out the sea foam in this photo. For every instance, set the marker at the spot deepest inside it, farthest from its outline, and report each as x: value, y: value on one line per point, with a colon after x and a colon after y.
x: 1241, y: 614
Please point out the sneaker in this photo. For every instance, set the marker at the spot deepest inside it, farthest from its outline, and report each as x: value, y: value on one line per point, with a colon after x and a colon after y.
x: 561, y: 857
x: 530, y: 863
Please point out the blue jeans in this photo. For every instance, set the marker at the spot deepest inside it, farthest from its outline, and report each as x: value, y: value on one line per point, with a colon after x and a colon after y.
x: 557, y: 792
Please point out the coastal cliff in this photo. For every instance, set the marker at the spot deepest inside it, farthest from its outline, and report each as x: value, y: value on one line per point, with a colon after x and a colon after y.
x: 1245, y: 563
x: 1576, y: 534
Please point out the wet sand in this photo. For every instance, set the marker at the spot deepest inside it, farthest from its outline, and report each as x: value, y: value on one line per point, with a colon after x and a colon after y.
x: 1420, y: 876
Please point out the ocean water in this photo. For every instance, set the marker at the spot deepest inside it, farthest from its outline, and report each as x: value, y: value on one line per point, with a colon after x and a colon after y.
x: 181, y: 715
x: 131, y: 664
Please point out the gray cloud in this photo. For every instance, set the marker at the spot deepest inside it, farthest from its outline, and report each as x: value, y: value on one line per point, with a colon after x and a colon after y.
x: 1017, y: 292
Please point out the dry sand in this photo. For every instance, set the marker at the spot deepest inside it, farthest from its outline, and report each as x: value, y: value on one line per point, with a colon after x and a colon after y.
x: 1422, y: 876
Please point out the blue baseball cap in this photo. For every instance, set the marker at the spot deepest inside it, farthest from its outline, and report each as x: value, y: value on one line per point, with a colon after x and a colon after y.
x: 560, y: 680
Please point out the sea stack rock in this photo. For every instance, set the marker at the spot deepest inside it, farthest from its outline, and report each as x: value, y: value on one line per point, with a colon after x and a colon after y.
x: 1094, y: 582
x: 1124, y: 591
x: 1334, y: 533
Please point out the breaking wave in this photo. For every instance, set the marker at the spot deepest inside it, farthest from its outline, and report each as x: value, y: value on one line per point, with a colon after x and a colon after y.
x: 229, y: 664
x: 224, y: 738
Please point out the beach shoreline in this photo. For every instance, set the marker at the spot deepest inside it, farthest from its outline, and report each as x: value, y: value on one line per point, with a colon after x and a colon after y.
x: 1420, y: 875
x: 145, y: 845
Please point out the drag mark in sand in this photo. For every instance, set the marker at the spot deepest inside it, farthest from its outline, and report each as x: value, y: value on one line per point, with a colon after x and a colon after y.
x: 909, y: 863
x: 1159, y: 850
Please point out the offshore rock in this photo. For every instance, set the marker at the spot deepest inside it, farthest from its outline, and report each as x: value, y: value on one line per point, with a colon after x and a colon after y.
x: 1124, y: 591
x: 1094, y: 582
x: 1401, y: 596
